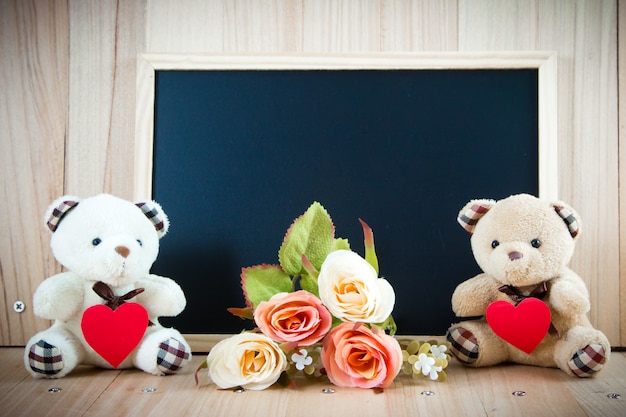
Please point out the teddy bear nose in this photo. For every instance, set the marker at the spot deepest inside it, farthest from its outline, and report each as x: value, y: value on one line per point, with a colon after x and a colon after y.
x: 515, y: 255
x: 123, y: 251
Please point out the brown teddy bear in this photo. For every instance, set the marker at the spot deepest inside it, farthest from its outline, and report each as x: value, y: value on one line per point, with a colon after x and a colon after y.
x: 532, y: 307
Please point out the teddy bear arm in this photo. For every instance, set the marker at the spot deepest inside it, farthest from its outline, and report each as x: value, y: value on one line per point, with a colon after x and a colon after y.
x: 569, y: 294
x: 471, y: 297
x: 161, y: 296
x: 59, y: 297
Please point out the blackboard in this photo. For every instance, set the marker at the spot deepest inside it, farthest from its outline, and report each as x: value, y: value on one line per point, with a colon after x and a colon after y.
x: 239, y: 154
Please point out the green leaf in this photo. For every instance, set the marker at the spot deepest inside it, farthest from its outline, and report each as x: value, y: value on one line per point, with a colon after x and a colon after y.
x: 335, y: 321
x: 341, y: 243
x: 424, y: 348
x: 309, y: 283
x: 308, y: 267
x: 308, y: 278
x: 311, y: 234
x: 389, y: 324
x: 203, y: 365
x: 442, y: 376
x: 413, y: 347
x: 261, y: 282
x: 285, y: 381
x: 370, y: 250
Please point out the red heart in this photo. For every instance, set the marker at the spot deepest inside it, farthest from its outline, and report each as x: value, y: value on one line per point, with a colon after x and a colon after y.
x: 523, y: 326
x: 113, y: 334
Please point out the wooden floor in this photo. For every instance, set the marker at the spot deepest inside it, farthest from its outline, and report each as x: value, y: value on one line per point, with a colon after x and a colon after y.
x: 468, y: 392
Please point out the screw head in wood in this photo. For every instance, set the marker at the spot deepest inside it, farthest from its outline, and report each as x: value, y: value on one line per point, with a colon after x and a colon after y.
x: 19, y: 306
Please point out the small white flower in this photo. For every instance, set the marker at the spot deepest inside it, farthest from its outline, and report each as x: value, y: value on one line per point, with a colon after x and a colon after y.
x: 424, y: 364
x: 439, y: 351
x: 301, y: 359
x: 434, y: 372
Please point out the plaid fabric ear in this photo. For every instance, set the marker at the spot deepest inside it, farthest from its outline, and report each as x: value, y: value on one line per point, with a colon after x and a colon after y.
x: 472, y: 212
x: 569, y: 218
x: 57, y: 213
x: 153, y: 211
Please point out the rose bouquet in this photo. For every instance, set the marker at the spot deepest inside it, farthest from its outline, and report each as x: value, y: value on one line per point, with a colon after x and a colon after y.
x: 322, y: 311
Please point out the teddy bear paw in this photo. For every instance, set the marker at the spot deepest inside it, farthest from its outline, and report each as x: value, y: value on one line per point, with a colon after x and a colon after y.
x: 464, y: 345
x: 45, y: 359
x: 171, y: 356
x: 587, y: 361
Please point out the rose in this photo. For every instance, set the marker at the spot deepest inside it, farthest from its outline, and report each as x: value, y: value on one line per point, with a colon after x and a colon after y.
x: 297, y: 317
x: 356, y: 356
x: 249, y: 360
x: 351, y: 290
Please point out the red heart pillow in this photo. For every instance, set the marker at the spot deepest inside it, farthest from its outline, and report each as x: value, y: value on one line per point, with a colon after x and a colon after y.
x: 524, y: 326
x: 113, y: 334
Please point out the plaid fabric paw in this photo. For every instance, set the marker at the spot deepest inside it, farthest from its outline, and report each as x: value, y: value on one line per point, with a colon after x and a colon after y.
x: 464, y: 345
x: 587, y: 361
x: 172, y: 354
x: 45, y: 358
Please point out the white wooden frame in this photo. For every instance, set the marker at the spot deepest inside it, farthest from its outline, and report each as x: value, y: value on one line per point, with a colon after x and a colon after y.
x: 147, y: 64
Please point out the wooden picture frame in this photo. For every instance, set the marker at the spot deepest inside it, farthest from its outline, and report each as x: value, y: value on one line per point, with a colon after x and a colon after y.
x: 148, y: 64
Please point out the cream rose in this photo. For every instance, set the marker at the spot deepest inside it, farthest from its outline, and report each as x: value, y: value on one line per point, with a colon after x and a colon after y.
x: 249, y: 360
x: 351, y: 290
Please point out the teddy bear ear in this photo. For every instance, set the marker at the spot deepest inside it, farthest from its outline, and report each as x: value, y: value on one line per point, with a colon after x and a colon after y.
x: 472, y: 212
x: 153, y: 211
x: 569, y: 216
x: 58, y: 209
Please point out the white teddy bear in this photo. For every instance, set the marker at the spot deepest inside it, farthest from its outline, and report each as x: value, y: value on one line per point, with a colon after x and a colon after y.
x: 107, y: 246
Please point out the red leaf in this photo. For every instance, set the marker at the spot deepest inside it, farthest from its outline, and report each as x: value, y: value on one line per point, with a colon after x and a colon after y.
x: 245, y: 313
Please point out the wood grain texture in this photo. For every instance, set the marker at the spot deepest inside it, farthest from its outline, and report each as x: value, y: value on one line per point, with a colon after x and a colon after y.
x: 68, y: 102
x: 30, y: 397
x: 409, y: 26
x: 592, y: 395
x: 321, y: 26
x: 621, y: 30
x: 105, y: 37
x: 467, y: 392
x: 33, y: 113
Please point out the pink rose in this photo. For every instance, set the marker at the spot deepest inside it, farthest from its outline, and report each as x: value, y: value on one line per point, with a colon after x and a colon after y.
x: 296, y: 317
x: 356, y: 356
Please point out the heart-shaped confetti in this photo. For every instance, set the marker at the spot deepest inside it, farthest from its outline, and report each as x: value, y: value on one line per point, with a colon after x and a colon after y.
x: 524, y: 326
x: 113, y: 334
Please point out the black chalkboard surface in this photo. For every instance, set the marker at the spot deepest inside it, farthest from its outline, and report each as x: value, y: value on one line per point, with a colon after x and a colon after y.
x: 239, y: 154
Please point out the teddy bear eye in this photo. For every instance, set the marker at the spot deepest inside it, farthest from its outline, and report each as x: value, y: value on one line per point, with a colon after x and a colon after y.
x: 495, y: 244
x: 535, y: 243
x: 96, y: 241
x: 140, y: 242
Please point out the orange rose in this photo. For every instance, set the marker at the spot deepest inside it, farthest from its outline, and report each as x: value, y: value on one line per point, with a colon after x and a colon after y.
x: 296, y: 317
x: 356, y: 356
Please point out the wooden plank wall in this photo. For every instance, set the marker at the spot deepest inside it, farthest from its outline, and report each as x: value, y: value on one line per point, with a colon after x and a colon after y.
x: 67, y: 103
x: 33, y: 128
x: 622, y: 164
